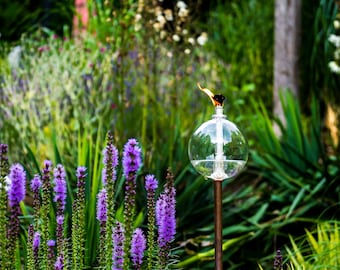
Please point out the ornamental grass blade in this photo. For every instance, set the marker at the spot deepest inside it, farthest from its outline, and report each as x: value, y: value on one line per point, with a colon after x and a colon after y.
x: 313, y: 242
x: 209, y: 255
x: 295, y: 256
x: 293, y: 129
x: 263, y: 126
x: 296, y: 201
x: 259, y: 214
x: 260, y: 267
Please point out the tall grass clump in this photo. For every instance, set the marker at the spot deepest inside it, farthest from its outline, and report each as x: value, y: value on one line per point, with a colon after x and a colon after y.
x: 317, y: 249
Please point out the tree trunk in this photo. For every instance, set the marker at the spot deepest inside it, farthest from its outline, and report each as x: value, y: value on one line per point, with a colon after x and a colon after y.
x: 286, y: 52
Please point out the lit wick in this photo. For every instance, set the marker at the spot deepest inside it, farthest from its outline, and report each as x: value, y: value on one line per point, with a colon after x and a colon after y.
x: 217, y: 100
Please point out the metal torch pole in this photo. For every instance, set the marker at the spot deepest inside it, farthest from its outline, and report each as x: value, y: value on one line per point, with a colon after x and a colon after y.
x: 218, y: 225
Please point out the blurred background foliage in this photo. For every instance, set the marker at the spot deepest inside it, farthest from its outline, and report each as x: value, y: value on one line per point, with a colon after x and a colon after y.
x: 64, y: 93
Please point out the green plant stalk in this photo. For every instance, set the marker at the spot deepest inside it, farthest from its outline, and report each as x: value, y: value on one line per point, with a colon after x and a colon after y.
x: 45, y: 225
x: 129, y: 214
x: 66, y: 251
x: 80, y: 205
x: 110, y: 187
x: 102, y: 234
x: 209, y: 255
x: 30, y: 265
x: 4, y: 169
x: 75, y: 238
x: 151, y: 250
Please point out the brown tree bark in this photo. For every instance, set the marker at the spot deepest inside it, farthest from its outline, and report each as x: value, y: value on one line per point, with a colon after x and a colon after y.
x: 286, y: 51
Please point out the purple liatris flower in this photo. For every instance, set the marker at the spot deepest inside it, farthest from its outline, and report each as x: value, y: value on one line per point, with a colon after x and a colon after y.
x: 78, y: 220
x: 50, y: 252
x: 102, y: 218
x: 47, y: 165
x: 110, y: 161
x: 36, y: 240
x: 45, y: 208
x: 118, y: 239
x: 59, y: 264
x: 110, y: 154
x: 16, y: 190
x: 166, y: 219
x: 35, y: 187
x: 36, y: 245
x: 16, y: 193
x: 3, y: 160
x: 132, y: 161
x: 166, y: 216
x: 36, y: 183
x: 60, y: 220
x: 51, y: 243
x: 60, y: 187
x: 81, y: 172
x: 60, y: 198
x: 151, y: 183
x: 132, y: 158
x: 138, y: 245
x: 102, y: 206
x: 278, y: 261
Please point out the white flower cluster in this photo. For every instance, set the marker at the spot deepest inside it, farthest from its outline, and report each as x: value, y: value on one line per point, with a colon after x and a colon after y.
x: 170, y: 24
x: 334, y: 65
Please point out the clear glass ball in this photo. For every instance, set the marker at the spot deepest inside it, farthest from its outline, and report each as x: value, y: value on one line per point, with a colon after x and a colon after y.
x: 217, y: 149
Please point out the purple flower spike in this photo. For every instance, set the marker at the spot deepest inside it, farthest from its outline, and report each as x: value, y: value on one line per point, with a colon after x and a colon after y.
x: 138, y: 246
x: 16, y: 190
x: 50, y: 252
x: 36, y: 183
x: 102, y: 206
x: 110, y: 155
x: 60, y: 186
x: 81, y: 175
x: 3, y: 148
x: 110, y: 160
x: 166, y: 217
x: 51, y: 243
x: 3, y: 154
x: 59, y: 264
x: 118, y: 239
x: 47, y: 165
x: 151, y: 183
x: 81, y: 172
x: 132, y: 158
x: 36, y: 240
x: 60, y: 220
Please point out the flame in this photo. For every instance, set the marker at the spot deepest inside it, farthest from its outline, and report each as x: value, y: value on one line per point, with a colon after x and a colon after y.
x: 211, y: 95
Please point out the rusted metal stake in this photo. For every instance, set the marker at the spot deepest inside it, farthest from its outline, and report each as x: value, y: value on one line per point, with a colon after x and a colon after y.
x: 218, y: 225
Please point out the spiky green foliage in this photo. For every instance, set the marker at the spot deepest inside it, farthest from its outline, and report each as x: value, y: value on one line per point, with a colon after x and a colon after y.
x: 297, y: 163
x: 317, y: 249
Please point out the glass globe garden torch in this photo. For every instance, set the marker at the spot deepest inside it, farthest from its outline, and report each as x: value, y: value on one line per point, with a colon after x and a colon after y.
x: 218, y: 151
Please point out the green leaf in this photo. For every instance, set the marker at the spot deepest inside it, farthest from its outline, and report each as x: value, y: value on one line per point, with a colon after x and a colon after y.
x: 296, y: 201
x: 259, y: 214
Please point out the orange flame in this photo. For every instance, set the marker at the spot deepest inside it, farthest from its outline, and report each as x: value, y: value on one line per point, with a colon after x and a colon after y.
x: 212, y: 96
